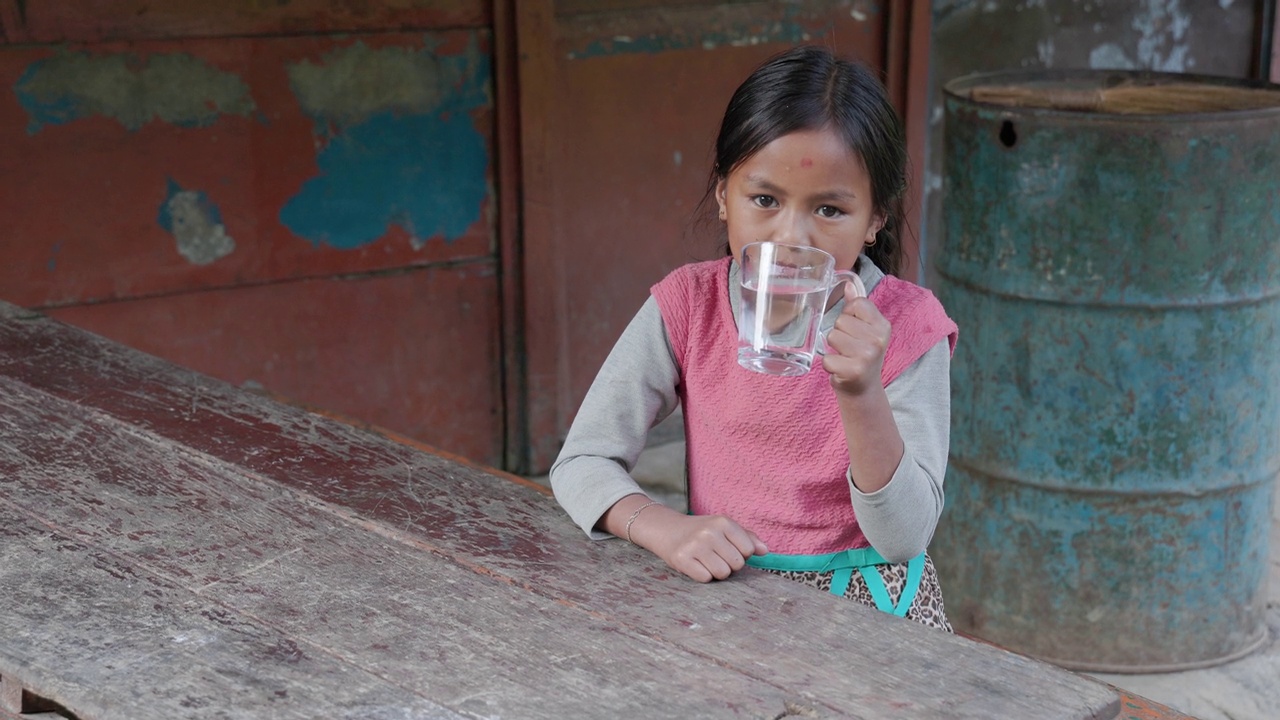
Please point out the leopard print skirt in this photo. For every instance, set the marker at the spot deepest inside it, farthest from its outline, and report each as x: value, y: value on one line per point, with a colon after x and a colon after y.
x: 926, y: 609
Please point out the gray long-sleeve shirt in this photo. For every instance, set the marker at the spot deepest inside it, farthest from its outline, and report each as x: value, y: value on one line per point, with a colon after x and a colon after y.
x: 636, y: 389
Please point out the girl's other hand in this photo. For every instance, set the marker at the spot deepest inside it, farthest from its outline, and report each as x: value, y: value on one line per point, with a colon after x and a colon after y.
x: 856, y: 346
x: 704, y: 548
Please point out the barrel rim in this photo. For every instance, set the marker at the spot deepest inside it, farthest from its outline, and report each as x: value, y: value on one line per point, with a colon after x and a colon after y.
x: 953, y: 88
x: 1257, y: 639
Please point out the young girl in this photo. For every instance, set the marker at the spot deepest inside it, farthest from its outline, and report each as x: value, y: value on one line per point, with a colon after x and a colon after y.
x: 833, y: 478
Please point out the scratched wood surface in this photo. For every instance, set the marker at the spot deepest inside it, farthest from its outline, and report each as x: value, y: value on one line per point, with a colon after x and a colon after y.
x: 173, y: 546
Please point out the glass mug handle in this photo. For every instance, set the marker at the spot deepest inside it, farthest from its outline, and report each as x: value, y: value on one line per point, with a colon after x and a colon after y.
x: 860, y: 290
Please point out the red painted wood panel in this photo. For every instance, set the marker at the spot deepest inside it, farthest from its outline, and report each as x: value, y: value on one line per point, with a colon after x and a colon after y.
x: 108, y: 149
x: 413, y: 352
x: 97, y: 20
x: 621, y: 111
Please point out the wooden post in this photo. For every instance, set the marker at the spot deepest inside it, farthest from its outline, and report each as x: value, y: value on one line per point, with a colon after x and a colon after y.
x: 515, y: 393
x: 917, y: 122
x: 907, y: 80
x: 544, y: 295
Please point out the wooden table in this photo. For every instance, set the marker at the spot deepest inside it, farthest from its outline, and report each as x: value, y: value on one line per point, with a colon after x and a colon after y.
x: 172, y: 546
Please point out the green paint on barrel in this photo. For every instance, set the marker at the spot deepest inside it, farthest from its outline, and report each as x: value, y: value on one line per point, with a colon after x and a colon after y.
x: 1116, y: 393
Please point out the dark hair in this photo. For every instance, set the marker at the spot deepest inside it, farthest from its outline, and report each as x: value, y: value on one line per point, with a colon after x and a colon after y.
x: 809, y: 88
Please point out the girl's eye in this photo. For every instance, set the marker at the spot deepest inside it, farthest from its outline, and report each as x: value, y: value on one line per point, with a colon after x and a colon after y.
x: 764, y: 201
x: 828, y: 211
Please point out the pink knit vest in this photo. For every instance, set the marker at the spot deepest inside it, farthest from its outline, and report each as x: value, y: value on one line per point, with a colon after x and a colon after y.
x: 770, y: 451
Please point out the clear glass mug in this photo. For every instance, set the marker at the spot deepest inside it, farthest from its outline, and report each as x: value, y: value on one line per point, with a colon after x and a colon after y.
x: 784, y: 292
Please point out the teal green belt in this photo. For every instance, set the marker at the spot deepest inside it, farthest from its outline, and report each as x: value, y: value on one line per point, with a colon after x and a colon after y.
x: 841, y: 566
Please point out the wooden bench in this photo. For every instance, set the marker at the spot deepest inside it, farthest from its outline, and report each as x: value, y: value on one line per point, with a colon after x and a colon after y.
x: 172, y: 546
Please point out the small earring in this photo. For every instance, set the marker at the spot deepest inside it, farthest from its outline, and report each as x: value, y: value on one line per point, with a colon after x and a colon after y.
x: 873, y: 242
x: 721, y: 216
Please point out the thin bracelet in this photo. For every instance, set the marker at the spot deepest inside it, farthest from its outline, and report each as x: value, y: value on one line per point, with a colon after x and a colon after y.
x: 635, y: 515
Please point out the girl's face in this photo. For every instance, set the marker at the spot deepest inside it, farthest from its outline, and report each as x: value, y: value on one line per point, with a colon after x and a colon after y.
x: 805, y: 188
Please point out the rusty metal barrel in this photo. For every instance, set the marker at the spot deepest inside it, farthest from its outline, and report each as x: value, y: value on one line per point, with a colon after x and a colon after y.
x: 1112, y: 257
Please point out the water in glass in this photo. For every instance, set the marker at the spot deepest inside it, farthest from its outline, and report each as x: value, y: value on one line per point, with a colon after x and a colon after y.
x: 779, y: 324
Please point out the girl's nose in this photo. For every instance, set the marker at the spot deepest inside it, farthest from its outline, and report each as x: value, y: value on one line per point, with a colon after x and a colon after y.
x: 792, y: 229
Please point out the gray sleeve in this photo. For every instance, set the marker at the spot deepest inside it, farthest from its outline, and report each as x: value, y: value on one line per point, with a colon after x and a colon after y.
x: 634, y: 390
x: 899, y: 519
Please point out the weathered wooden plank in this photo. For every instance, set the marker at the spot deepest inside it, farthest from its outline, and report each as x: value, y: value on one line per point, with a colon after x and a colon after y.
x: 16, y: 700
x: 759, y: 625
x: 41, y: 715
x: 96, y: 20
x: 86, y: 629
x: 10, y: 694
x: 468, y: 641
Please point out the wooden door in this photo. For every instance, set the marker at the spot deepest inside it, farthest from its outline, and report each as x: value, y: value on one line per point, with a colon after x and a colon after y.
x: 620, y: 104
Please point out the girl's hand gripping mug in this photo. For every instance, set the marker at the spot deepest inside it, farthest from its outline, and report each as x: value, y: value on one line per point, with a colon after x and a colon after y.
x: 784, y: 291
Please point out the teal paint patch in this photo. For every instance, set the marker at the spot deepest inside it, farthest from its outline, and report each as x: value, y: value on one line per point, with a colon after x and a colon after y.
x: 423, y: 173
x: 398, y: 145
x: 175, y: 88
x: 795, y: 26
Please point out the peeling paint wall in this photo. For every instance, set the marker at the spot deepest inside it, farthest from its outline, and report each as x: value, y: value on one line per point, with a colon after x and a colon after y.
x: 400, y: 134
x: 310, y: 211
x: 398, y: 145
x: 1190, y: 36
